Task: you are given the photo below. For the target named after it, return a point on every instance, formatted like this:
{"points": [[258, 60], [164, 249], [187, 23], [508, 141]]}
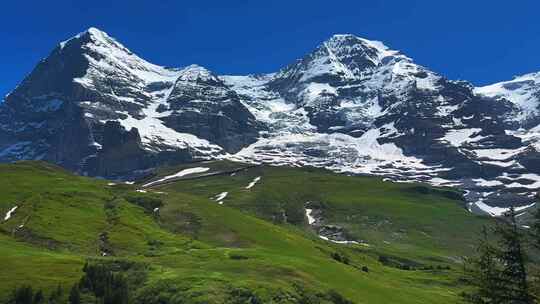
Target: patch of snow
{"points": [[501, 163], [10, 213], [220, 197], [179, 174], [310, 218], [445, 110], [153, 131], [252, 183], [336, 151], [497, 154], [314, 90], [457, 122], [96, 144], [485, 183], [438, 181], [458, 137], [535, 178], [337, 242], [498, 211]]}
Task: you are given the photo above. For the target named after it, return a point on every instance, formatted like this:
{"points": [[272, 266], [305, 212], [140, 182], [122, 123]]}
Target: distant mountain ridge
{"points": [[352, 105]]}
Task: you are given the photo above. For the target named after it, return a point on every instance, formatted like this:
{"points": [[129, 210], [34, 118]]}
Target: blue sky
{"points": [[480, 41]]}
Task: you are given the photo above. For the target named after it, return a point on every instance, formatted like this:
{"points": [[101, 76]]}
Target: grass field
{"points": [[257, 244]]}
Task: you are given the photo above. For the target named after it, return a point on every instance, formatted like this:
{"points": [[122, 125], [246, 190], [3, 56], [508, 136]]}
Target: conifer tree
{"points": [[74, 295], [514, 289], [535, 229], [38, 297], [22, 295], [483, 273], [56, 295], [535, 232]]}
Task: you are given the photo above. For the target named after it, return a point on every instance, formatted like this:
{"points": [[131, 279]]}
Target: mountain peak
{"points": [[523, 91], [196, 72], [349, 43], [343, 37], [95, 31], [342, 56], [95, 36]]}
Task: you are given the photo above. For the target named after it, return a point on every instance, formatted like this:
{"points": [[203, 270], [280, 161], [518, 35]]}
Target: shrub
{"points": [[235, 256], [22, 295], [104, 284], [147, 202], [337, 298], [74, 295], [340, 258]]}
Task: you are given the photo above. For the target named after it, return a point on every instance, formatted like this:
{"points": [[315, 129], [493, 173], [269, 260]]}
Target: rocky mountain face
{"points": [[352, 105], [95, 107]]}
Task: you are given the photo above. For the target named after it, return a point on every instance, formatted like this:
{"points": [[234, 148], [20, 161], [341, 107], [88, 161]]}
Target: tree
{"points": [[515, 288], [535, 229], [483, 273], [106, 285], [38, 297], [337, 298], [22, 295], [74, 295], [56, 295]]}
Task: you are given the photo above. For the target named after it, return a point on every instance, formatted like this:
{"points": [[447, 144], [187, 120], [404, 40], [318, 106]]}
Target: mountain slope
{"points": [[352, 105], [92, 101], [523, 91], [178, 241]]}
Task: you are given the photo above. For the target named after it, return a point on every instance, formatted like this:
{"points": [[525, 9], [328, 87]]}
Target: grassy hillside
{"points": [[411, 220], [177, 244]]}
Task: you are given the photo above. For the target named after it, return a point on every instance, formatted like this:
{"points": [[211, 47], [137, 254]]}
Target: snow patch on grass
{"points": [[179, 174], [255, 181], [310, 218], [220, 197], [10, 213], [337, 242], [498, 211]]}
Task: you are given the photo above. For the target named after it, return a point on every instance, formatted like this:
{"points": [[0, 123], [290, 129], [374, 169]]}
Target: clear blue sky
{"points": [[480, 41]]}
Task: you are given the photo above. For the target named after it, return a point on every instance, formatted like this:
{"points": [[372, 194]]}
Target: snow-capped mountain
{"points": [[95, 107], [523, 92], [352, 105]]}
